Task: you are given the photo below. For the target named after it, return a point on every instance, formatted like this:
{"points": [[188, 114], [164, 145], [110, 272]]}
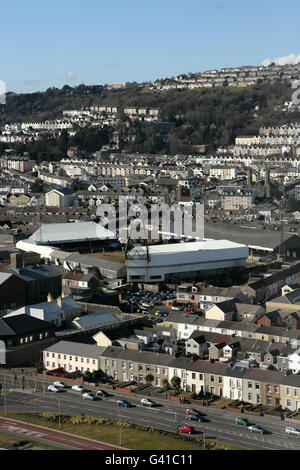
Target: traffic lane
{"points": [[148, 417]]}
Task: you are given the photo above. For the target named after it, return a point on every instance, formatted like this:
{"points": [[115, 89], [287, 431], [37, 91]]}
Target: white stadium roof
{"points": [[68, 232]]}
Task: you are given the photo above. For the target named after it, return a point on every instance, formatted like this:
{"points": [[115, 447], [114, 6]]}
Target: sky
{"points": [[46, 44]]}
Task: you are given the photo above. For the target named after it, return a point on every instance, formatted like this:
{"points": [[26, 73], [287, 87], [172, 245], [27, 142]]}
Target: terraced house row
{"points": [[252, 385]]}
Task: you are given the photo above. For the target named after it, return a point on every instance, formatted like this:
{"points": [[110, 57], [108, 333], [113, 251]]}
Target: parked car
{"points": [[192, 411], [78, 388], [186, 429], [199, 418], [89, 396], [255, 428], [294, 431], [102, 393], [61, 384], [124, 403], [242, 421], [147, 402], [54, 388]]}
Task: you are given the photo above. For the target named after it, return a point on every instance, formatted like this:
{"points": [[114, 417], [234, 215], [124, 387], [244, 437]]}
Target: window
{"points": [[165, 371], [70, 358], [200, 376], [30, 338], [295, 392], [88, 361], [257, 386], [53, 354], [140, 378], [148, 368], [288, 391], [249, 384], [130, 365], [158, 370], [65, 357], [269, 400], [288, 403], [212, 378], [220, 380], [113, 363], [269, 389], [193, 375], [249, 396], [140, 367], [41, 336], [123, 365], [157, 381], [276, 389], [76, 359], [175, 372]]}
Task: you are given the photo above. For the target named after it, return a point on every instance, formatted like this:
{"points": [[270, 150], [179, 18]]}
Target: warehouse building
{"points": [[172, 262]]}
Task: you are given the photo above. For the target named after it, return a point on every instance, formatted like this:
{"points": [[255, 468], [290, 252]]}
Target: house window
{"points": [[113, 363], [140, 378], [148, 368], [193, 375], [157, 381], [249, 384], [65, 357], [288, 403], [123, 365], [295, 392], [269, 388], [276, 389], [165, 371], [130, 365], [53, 354], [175, 372], [41, 336], [76, 359], [157, 370], [257, 386], [249, 396], [70, 358], [220, 380], [200, 376], [288, 391], [269, 400], [212, 378], [140, 367]]}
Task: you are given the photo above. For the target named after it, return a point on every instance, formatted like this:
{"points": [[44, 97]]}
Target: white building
{"points": [[174, 261]]}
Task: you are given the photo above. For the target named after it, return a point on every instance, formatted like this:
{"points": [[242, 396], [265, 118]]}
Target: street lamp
{"points": [[58, 413], [120, 430]]}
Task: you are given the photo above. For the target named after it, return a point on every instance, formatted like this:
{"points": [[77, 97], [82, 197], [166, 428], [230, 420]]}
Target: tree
{"points": [[149, 379], [176, 382], [87, 376], [165, 383]]}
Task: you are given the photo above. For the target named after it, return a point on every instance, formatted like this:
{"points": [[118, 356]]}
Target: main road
{"points": [[167, 416]]}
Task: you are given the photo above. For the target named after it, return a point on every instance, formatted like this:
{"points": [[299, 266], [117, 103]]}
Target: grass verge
{"points": [[134, 437]]}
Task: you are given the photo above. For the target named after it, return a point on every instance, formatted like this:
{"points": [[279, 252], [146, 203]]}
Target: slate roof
{"points": [[21, 324], [77, 349]]}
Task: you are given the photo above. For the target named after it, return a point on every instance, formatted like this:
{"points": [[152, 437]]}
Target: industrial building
{"points": [[171, 262]]}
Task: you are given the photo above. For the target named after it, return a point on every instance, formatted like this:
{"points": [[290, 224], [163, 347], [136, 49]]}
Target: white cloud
{"points": [[70, 74], [289, 59]]}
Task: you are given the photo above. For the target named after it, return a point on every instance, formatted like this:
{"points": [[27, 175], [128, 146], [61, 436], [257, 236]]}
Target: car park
{"points": [[186, 429], [89, 396], [78, 388], [293, 431], [124, 403], [54, 388], [242, 421], [147, 402], [255, 428]]}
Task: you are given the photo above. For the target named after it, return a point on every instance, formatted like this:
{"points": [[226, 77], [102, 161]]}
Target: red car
{"points": [[186, 429], [187, 309], [192, 411]]}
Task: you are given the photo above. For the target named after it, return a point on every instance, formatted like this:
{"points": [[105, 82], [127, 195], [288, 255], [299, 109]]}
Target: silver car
{"points": [[294, 431]]}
